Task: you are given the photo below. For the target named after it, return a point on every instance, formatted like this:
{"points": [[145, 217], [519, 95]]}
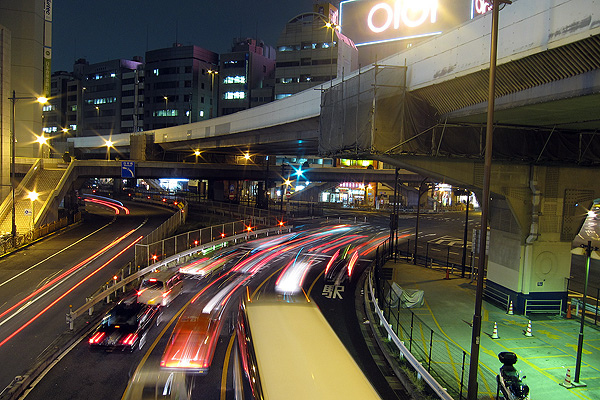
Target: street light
{"points": [[13, 100], [33, 196], [590, 252], [333, 27], [42, 140], [108, 145], [212, 94]]}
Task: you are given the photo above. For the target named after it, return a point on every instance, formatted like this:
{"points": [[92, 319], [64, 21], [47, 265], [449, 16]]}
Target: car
{"points": [[125, 326], [160, 288]]}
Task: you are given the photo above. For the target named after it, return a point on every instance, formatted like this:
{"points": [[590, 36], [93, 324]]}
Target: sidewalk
{"points": [[543, 358]]}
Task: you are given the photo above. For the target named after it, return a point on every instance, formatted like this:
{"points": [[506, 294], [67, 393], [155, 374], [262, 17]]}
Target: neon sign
{"points": [[480, 7], [410, 13]]}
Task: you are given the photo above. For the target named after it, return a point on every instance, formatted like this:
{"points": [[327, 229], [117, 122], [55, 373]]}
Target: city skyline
{"points": [[127, 29]]}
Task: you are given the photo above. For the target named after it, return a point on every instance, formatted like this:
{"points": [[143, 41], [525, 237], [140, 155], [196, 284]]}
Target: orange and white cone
{"points": [[567, 383], [510, 309], [528, 331], [495, 333]]}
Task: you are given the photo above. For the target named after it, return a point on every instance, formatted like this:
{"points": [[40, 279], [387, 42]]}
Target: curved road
{"points": [[39, 282]]}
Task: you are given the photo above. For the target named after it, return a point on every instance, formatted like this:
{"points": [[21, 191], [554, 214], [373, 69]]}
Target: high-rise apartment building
{"points": [[178, 86], [246, 76], [311, 50]]}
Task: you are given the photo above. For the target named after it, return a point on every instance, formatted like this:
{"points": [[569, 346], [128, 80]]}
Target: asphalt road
{"points": [[38, 283]]}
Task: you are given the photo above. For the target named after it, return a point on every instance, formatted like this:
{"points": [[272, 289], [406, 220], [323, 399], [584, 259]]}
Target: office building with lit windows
{"points": [[105, 98], [246, 76], [178, 86], [311, 50]]}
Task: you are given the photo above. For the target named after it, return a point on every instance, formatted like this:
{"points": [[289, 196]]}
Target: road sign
{"points": [[127, 169]]}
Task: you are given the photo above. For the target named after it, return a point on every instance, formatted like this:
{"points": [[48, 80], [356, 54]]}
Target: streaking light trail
{"points": [[69, 291]]}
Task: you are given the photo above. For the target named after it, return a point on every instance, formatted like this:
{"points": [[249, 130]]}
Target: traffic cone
{"points": [[528, 331], [569, 310], [510, 309], [567, 383], [495, 333], [447, 274]]}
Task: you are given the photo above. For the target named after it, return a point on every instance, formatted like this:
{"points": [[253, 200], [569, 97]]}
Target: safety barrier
{"points": [[543, 306], [494, 295], [174, 261]]}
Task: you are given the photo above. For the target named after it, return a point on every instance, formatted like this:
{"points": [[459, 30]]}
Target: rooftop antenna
{"points": [[176, 30]]}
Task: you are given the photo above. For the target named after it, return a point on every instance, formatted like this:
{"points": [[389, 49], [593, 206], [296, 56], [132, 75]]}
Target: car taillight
{"points": [[129, 339], [97, 338]]}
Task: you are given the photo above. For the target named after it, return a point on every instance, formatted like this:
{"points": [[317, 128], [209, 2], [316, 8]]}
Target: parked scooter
{"points": [[509, 382]]}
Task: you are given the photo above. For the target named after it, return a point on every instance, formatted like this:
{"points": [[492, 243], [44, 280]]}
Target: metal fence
{"points": [[575, 303], [149, 251], [447, 362], [7, 244]]}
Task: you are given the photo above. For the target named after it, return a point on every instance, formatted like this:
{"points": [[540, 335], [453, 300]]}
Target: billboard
{"points": [[379, 21]]}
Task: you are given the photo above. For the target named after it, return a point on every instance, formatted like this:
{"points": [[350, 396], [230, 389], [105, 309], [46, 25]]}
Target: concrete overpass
{"points": [[423, 109]]}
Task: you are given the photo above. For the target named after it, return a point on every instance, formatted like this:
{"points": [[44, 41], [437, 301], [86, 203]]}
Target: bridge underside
{"points": [[545, 151]]}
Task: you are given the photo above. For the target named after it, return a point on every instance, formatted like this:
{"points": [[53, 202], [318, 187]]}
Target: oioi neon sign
{"points": [[410, 13], [480, 7]]}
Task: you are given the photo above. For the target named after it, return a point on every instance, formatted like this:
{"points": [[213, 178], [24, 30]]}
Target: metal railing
{"points": [[443, 359], [130, 274], [7, 244], [543, 306]]}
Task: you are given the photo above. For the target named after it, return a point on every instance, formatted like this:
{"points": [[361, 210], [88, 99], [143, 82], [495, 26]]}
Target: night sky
{"points": [[110, 29]]}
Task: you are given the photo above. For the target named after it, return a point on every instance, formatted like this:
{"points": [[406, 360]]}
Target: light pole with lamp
{"points": [[13, 100], [108, 144], [41, 140], [333, 27], [212, 73], [590, 252], [33, 196]]}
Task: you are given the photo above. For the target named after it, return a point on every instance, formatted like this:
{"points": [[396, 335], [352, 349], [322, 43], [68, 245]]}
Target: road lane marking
{"points": [[225, 368], [55, 254]]}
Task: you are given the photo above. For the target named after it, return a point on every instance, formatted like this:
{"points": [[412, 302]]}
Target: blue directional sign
{"points": [[127, 169]]}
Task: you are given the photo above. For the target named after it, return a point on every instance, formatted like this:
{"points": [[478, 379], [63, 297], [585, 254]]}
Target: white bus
{"points": [[289, 351]]}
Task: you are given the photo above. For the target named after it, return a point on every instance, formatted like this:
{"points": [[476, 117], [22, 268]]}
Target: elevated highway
{"points": [[423, 109]]}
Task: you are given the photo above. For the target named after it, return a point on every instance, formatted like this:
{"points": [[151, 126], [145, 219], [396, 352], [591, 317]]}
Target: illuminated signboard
{"points": [[379, 21], [480, 7]]}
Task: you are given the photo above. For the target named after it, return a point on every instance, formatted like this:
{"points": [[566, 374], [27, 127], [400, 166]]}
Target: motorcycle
{"points": [[509, 382]]}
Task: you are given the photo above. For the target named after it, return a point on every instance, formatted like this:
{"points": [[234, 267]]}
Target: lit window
{"points": [[73, 127], [201, 113], [234, 79], [74, 108], [155, 71], [234, 95], [166, 113], [282, 96], [112, 75], [49, 107], [102, 100]]}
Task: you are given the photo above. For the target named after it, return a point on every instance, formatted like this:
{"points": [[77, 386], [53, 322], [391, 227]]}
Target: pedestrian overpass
{"points": [[424, 109]]}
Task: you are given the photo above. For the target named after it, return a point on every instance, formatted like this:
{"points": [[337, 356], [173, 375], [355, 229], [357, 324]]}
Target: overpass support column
{"points": [[532, 227]]}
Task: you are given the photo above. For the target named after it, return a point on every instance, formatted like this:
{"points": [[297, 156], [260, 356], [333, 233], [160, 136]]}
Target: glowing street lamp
{"points": [[590, 252], [333, 27], [13, 100], [212, 84], [108, 144]]}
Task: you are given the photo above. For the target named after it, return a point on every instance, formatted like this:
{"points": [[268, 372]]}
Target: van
{"points": [[160, 288]]}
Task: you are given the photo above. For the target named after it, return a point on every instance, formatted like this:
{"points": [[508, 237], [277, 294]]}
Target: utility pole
{"points": [[475, 338]]}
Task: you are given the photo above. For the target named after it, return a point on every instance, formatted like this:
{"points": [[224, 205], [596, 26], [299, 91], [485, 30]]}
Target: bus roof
{"points": [[299, 356]]}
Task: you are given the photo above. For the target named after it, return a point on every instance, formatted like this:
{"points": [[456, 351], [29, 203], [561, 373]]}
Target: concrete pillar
{"points": [[532, 227]]}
